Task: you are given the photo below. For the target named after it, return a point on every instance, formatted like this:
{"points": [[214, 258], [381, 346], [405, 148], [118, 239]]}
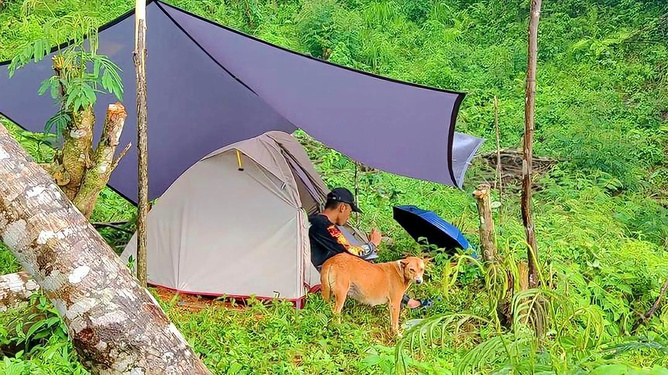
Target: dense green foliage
{"points": [[601, 217]]}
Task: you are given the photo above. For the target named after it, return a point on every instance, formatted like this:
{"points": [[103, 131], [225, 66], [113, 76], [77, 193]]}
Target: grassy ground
{"points": [[600, 213]]}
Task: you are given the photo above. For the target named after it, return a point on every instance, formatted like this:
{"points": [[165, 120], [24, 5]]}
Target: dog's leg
{"points": [[395, 311], [339, 300], [325, 285], [340, 293]]}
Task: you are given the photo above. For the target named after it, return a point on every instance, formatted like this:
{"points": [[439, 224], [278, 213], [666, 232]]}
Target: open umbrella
{"points": [[422, 223]]}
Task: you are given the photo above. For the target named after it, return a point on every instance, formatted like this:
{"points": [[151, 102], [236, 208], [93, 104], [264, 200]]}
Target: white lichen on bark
{"points": [[16, 289], [15, 233], [78, 274]]}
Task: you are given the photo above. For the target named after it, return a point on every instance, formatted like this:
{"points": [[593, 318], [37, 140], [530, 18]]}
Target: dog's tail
{"points": [[326, 282]]}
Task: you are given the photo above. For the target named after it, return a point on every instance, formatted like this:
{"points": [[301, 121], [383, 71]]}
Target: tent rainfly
{"points": [[210, 86], [235, 223]]}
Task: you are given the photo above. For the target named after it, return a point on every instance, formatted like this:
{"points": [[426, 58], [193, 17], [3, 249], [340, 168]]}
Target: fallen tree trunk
{"points": [[116, 326], [16, 288]]}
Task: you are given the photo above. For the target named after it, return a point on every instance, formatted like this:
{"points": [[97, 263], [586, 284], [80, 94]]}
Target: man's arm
{"points": [[337, 242]]}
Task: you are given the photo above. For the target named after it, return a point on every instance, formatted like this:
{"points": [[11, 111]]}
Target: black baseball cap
{"points": [[343, 195]]}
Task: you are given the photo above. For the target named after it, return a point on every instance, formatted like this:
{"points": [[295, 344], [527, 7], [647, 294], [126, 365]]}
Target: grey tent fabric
{"points": [[221, 231], [210, 86]]}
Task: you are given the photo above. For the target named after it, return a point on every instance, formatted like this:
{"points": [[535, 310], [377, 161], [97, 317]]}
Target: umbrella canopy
{"points": [[422, 223]]}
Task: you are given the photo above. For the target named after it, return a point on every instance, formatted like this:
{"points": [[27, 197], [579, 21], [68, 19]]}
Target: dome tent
{"points": [[235, 223]]}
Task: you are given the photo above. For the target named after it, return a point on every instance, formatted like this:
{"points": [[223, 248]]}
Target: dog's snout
{"points": [[419, 281]]}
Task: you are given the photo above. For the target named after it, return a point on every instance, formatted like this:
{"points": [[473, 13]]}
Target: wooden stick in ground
{"points": [[529, 108], [486, 222], [657, 302], [142, 137], [498, 146], [498, 158], [115, 325]]}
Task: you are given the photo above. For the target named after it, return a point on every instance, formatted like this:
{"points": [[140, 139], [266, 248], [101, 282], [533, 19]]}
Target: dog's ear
{"points": [[403, 263]]}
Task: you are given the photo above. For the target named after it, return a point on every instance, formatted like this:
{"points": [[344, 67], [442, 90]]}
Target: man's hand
{"points": [[375, 237]]}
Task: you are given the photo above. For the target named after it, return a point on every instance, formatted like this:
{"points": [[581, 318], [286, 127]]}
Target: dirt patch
{"points": [[511, 167], [195, 303]]}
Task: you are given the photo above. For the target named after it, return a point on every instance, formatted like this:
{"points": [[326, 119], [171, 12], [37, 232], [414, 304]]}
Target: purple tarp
{"points": [[209, 86]]}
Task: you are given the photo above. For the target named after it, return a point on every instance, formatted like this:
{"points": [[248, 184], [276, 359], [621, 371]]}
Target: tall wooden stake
{"points": [[528, 142], [142, 137], [498, 156], [489, 253], [498, 145]]}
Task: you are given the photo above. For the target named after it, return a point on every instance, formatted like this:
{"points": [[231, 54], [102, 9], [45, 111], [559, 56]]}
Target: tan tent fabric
{"points": [[220, 231]]}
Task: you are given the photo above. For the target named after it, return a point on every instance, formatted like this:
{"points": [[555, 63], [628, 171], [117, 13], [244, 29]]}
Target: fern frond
{"points": [[428, 331]]}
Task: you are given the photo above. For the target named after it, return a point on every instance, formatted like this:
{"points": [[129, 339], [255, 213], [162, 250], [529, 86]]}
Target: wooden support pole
{"points": [[481, 195], [142, 137], [498, 146], [499, 180], [527, 161]]}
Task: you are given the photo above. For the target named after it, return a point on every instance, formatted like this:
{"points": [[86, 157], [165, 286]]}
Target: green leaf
{"points": [[41, 49], [96, 68], [78, 103], [71, 96], [611, 370], [234, 368], [89, 94], [46, 84], [55, 89], [59, 120], [34, 328]]}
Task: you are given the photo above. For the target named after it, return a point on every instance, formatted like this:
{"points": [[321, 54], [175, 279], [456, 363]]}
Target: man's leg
{"points": [[411, 303]]}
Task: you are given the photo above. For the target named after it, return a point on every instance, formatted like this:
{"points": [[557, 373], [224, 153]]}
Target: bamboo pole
{"points": [[529, 108], [142, 137]]}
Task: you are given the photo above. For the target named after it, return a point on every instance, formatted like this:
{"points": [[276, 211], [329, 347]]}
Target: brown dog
{"points": [[373, 284]]}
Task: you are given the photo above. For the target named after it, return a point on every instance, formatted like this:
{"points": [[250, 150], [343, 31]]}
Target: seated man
{"points": [[327, 240]]}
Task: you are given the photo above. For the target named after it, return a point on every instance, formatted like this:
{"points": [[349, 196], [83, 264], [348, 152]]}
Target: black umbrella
{"points": [[422, 223]]}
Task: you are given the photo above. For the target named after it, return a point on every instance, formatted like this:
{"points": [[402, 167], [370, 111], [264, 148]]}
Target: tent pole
{"points": [[139, 57], [357, 191]]}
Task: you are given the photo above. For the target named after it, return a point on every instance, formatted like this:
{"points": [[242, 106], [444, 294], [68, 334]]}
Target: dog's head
{"points": [[413, 269]]}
